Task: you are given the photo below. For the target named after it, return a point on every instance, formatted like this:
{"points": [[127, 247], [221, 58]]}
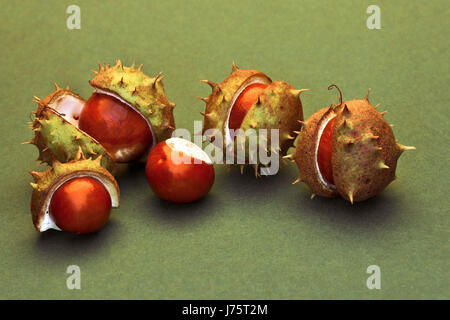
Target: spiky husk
{"points": [[364, 151], [57, 136], [47, 182], [144, 93], [278, 107]]}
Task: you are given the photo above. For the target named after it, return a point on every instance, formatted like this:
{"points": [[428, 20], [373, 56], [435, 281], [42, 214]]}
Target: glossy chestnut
{"points": [[80, 205], [124, 133], [243, 104], [324, 152], [179, 171]]}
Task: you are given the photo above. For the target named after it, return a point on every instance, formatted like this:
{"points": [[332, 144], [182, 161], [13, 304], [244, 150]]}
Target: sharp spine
{"points": [[405, 148], [210, 83], [234, 67], [296, 93], [350, 196], [382, 165]]}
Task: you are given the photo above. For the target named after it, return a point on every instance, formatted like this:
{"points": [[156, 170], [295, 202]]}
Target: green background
{"points": [[249, 238]]}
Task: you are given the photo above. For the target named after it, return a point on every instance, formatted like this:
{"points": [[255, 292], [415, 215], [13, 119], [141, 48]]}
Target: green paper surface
{"points": [[249, 238]]}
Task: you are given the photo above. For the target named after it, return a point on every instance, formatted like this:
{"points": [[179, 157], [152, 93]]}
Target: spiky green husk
{"points": [[47, 182], [58, 139], [364, 151], [218, 103], [278, 107], [144, 93]]}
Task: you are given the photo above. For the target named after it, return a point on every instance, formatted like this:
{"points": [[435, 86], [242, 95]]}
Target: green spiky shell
{"points": [[58, 139], [278, 107], [364, 151], [144, 93], [45, 183]]}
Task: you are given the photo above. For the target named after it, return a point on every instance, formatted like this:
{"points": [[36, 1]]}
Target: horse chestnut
{"points": [[122, 131], [75, 196], [347, 149], [179, 171], [249, 101], [324, 152], [80, 205], [243, 103]]}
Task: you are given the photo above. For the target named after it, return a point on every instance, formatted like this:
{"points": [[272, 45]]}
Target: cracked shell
{"points": [[144, 94], [364, 151], [56, 132], [277, 107]]}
